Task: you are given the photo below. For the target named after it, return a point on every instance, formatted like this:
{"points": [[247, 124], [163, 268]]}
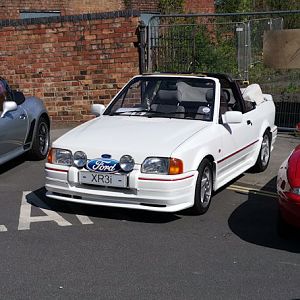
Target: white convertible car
{"points": [[164, 143]]}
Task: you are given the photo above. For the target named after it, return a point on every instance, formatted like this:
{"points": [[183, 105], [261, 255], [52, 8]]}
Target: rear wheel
{"points": [[204, 188], [264, 154], [41, 141]]}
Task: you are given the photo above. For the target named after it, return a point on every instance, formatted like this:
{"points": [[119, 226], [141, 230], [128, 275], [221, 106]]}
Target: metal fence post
{"points": [[142, 46]]}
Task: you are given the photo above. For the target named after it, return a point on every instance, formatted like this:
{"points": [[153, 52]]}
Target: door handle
{"points": [[22, 116], [249, 122]]}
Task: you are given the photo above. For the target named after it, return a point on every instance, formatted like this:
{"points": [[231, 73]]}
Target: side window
{"points": [[249, 106], [225, 99], [229, 101]]}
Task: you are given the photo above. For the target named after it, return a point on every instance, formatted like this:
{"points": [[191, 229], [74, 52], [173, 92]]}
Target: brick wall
{"points": [[73, 7], [199, 6], [71, 63], [190, 6], [145, 6], [11, 9]]}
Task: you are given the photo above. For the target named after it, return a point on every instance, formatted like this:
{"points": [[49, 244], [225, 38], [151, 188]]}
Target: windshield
{"points": [[170, 97]]}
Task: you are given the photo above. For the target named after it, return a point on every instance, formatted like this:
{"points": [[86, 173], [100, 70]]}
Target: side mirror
{"points": [[8, 106], [97, 109], [232, 117]]}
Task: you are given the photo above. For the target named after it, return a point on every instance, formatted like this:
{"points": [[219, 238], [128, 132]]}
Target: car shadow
{"points": [[255, 221], [38, 198], [12, 163]]}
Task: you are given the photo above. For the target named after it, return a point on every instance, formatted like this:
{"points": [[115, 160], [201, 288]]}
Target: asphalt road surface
{"points": [[55, 250]]}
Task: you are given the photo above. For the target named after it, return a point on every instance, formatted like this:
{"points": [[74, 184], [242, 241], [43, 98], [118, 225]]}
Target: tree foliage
{"points": [[171, 6], [232, 6]]}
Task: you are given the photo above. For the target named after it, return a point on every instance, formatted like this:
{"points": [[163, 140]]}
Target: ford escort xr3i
{"points": [[164, 143]]}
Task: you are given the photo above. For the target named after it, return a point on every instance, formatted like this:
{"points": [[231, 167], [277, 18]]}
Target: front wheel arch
{"points": [[46, 117], [214, 168], [35, 152], [260, 164], [203, 187]]}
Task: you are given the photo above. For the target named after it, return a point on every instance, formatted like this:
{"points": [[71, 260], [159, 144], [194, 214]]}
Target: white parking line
{"points": [[26, 219], [246, 190], [85, 220], [3, 228]]}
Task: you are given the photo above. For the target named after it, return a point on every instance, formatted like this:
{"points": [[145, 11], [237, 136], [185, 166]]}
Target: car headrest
{"points": [[210, 96], [167, 97], [188, 93]]}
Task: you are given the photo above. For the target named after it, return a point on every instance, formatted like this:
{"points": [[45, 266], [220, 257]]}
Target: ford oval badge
{"points": [[104, 165]]}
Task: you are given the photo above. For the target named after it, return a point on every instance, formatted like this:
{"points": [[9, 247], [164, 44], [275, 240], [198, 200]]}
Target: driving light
{"points": [[60, 157], [79, 159], [126, 163]]}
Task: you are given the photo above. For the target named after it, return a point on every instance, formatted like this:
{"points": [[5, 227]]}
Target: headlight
{"points": [[79, 159], [126, 163], [162, 165], [155, 165], [60, 157]]}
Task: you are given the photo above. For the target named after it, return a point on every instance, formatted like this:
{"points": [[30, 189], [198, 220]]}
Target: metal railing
{"points": [[225, 43]]}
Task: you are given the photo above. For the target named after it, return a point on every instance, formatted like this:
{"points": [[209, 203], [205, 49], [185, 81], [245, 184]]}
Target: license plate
{"points": [[114, 180]]}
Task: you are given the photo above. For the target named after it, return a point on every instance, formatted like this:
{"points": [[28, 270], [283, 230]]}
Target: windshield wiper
{"points": [[160, 114], [175, 115], [154, 114]]}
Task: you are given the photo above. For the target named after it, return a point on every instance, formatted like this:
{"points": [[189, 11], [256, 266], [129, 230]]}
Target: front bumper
{"points": [[165, 193]]}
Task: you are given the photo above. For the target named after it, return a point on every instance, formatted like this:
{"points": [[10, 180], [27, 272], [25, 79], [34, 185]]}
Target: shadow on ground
{"points": [[12, 164], [255, 221], [39, 199]]}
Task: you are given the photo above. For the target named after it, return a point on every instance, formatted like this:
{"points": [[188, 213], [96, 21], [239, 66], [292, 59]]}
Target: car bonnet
{"points": [[139, 137]]}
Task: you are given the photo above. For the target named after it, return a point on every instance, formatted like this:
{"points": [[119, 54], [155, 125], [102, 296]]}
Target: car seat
{"points": [[205, 112], [166, 101]]}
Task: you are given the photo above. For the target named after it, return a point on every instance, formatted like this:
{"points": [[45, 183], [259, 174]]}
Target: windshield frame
{"points": [[162, 77]]}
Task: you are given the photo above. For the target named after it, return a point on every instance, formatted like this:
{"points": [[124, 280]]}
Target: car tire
{"points": [[204, 188], [264, 155], [41, 141]]}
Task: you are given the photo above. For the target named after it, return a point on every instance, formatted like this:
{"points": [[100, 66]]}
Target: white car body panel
{"points": [[232, 149], [129, 135]]}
